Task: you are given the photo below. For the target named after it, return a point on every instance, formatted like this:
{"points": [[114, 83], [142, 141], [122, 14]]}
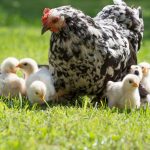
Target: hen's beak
{"points": [[44, 29], [135, 84]]}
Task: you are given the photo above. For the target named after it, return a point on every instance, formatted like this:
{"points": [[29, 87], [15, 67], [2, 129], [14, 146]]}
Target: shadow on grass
{"points": [[83, 102], [77, 101]]}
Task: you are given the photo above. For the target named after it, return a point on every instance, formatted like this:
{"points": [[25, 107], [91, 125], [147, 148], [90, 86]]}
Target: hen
{"points": [[85, 53], [10, 84]]}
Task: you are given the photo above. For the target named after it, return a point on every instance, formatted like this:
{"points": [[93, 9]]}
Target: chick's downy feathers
{"points": [[40, 86], [124, 94], [135, 69], [39, 82], [9, 65], [146, 75], [28, 65], [10, 83]]}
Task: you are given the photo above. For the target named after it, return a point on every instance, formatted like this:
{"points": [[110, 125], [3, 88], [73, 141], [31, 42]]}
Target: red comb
{"points": [[46, 10], [45, 15]]}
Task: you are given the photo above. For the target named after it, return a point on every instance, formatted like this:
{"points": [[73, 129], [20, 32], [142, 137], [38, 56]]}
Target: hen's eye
{"points": [[55, 20], [25, 64], [130, 81]]}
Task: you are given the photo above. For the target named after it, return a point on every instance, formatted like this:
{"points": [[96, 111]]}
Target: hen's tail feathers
{"points": [[119, 2], [140, 12], [138, 26]]}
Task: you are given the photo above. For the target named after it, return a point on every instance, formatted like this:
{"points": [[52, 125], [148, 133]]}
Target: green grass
{"points": [[24, 42], [62, 126]]}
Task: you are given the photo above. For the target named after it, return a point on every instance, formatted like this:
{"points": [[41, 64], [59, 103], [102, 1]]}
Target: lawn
{"points": [[79, 126]]}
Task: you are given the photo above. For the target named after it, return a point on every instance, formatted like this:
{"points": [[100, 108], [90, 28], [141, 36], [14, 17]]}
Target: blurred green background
{"points": [[20, 22], [18, 12], [28, 12]]}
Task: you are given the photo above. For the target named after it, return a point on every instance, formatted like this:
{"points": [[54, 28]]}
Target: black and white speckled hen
{"points": [[87, 52]]}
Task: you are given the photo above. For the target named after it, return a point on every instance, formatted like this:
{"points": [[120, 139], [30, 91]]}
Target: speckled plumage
{"points": [[88, 52]]}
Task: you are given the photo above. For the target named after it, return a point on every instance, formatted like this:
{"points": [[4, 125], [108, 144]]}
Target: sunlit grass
{"points": [[24, 42], [144, 53], [63, 127]]}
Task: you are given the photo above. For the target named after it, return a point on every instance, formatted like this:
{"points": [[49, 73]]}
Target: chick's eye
{"points": [[25, 64], [130, 81], [36, 93]]}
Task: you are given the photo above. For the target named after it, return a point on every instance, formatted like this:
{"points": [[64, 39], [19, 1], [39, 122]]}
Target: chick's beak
{"points": [[42, 97], [18, 66], [44, 29], [134, 84], [144, 70]]}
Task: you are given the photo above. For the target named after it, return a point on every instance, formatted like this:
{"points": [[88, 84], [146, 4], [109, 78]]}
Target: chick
{"points": [[37, 92], [10, 83], [125, 93], [135, 69], [28, 65], [9, 65], [145, 96], [39, 83], [40, 86], [146, 75]]}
